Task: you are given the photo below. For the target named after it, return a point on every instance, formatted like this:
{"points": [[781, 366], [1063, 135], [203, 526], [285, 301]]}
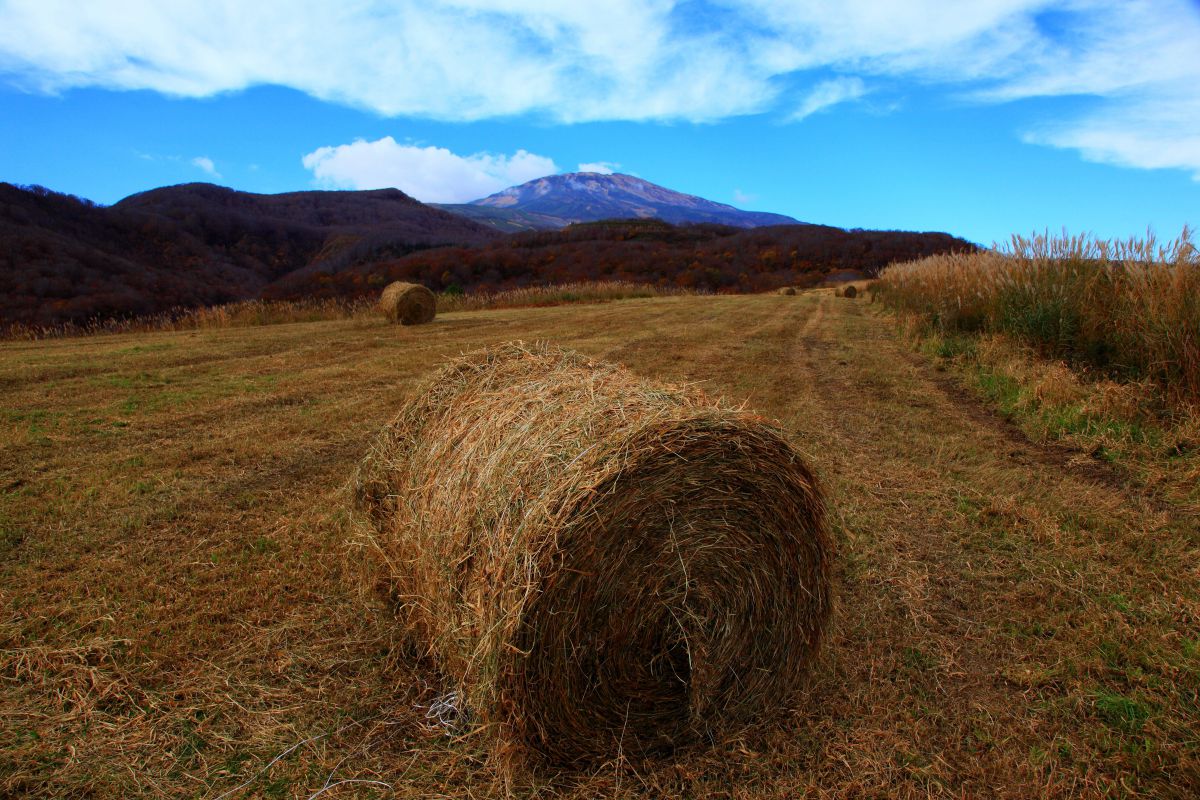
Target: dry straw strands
{"points": [[599, 564], [408, 303]]}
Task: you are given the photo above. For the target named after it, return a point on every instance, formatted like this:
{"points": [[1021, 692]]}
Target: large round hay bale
{"points": [[850, 291], [789, 290], [598, 563], [408, 303]]}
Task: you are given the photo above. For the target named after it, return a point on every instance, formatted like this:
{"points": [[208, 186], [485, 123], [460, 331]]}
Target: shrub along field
{"points": [[182, 613]]}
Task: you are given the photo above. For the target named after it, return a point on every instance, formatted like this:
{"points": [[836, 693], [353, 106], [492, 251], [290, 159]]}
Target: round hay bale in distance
{"points": [[789, 290], [597, 563], [850, 291], [408, 303]]}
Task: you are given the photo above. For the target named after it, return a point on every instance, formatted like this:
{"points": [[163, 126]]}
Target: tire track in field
{"points": [[910, 626], [953, 538]]}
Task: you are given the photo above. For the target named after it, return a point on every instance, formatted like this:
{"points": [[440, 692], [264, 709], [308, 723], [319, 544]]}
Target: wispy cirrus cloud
{"points": [[828, 94], [602, 167], [658, 60]]}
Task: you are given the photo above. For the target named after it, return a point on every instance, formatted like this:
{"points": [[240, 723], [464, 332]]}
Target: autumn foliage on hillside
{"points": [[703, 257], [67, 260]]}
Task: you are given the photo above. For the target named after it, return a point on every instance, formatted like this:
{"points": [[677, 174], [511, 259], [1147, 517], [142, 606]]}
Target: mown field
{"points": [[181, 616]]}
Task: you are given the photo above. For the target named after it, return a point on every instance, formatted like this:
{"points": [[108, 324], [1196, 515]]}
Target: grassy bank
{"points": [[1128, 309], [1123, 424]]}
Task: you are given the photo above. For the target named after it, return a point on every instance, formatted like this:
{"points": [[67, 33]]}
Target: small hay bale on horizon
{"points": [[850, 292], [789, 290], [408, 303], [599, 564]]}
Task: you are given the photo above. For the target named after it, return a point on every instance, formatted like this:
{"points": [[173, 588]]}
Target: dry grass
{"points": [[179, 617], [252, 313], [601, 564], [1124, 423], [1128, 307], [561, 294]]}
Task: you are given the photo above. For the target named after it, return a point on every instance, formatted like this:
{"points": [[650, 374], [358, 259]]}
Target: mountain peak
{"points": [[591, 196]]}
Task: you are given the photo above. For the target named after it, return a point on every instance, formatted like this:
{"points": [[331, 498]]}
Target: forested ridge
{"points": [[715, 258], [64, 259]]}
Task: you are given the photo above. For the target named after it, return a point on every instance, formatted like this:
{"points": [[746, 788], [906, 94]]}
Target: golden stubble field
{"points": [[180, 614]]}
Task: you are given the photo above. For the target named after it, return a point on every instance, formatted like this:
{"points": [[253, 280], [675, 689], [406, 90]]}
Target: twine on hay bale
{"points": [[786, 290], [599, 564], [408, 303], [850, 291]]}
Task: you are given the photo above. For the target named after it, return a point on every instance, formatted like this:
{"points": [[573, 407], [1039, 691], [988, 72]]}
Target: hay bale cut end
{"points": [[786, 290], [408, 303], [599, 564], [850, 291]]}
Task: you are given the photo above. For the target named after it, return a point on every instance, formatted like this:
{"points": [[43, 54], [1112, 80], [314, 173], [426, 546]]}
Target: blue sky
{"points": [[982, 119]]}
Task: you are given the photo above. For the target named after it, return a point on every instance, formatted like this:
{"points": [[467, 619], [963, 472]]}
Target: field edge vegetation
{"points": [[1127, 309], [251, 313], [1091, 343]]}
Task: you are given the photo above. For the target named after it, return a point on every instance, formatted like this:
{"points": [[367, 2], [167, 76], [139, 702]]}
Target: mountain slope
{"points": [[505, 220], [63, 259], [559, 200]]}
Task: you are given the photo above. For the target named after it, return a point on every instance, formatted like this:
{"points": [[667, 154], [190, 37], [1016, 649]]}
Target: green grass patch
{"points": [[1002, 390], [1121, 713]]}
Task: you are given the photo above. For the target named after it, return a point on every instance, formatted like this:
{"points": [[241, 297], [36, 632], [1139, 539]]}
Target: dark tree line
{"points": [[715, 258], [65, 259]]}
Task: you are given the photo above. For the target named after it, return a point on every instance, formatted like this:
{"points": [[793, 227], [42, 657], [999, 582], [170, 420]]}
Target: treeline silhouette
{"points": [[706, 257]]}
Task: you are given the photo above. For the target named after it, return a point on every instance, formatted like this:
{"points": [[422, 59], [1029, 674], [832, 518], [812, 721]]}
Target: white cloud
{"points": [[206, 164], [667, 60], [430, 174], [743, 198], [443, 59], [602, 167], [828, 94], [1132, 132]]}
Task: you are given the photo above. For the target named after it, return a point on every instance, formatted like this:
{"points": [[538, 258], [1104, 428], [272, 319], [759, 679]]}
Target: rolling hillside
{"points": [[63, 259]]}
